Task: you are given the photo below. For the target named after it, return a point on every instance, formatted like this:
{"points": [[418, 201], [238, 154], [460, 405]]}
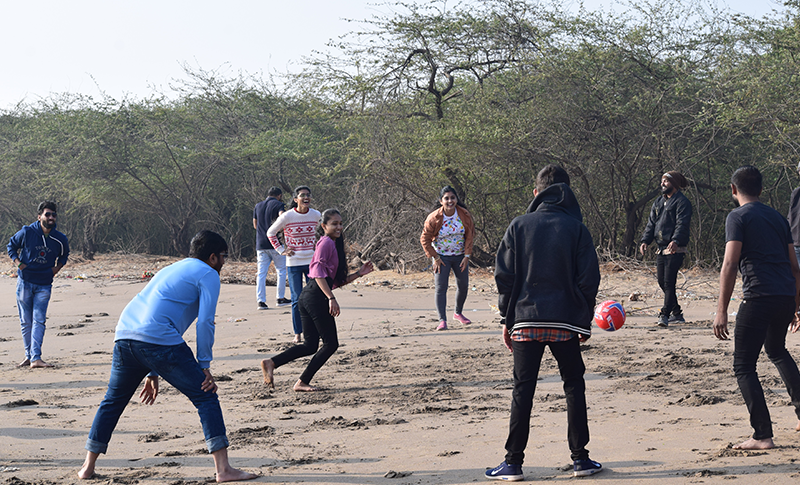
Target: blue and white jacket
{"points": [[40, 253]]}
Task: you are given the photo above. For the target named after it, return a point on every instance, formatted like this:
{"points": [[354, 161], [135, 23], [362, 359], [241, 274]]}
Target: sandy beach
{"points": [[401, 403]]}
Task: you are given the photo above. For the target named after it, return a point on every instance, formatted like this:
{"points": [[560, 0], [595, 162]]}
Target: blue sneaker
{"points": [[504, 471], [584, 468]]}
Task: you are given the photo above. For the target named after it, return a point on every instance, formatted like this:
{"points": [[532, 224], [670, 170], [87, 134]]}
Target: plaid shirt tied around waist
{"points": [[529, 334]]}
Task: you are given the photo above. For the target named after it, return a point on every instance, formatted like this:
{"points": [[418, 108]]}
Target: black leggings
{"points": [[317, 323]]}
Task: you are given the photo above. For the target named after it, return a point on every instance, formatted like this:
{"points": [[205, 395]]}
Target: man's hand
{"points": [[150, 390], [507, 339], [583, 338], [721, 326], [464, 263], [795, 325], [643, 248], [208, 384], [672, 247]]}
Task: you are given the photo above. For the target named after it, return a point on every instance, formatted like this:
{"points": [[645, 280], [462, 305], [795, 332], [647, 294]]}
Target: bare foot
{"points": [[234, 475], [297, 339], [24, 363], [86, 471], [40, 364], [754, 444], [301, 386], [267, 368], [797, 428]]}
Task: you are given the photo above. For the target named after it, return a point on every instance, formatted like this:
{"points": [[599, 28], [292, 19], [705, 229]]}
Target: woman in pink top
{"points": [[318, 306]]}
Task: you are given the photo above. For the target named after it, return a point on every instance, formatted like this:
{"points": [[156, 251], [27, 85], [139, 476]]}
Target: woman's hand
{"points": [[366, 269], [333, 307], [288, 252], [437, 265]]}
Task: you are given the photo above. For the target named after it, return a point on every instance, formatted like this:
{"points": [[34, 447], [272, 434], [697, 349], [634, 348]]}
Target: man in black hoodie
{"points": [[547, 276], [668, 227]]}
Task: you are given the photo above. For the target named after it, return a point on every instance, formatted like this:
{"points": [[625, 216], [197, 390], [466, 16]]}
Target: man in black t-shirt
{"points": [[264, 215], [759, 243]]}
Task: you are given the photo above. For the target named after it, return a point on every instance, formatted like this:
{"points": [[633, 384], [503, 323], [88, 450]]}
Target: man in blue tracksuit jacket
{"points": [[39, 251]]}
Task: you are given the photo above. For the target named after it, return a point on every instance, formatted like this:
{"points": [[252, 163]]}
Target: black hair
{"points": [[341, 272], [48, 204], [274, 192], [205, 243], [296, 193], [450, 189], [747, 180], [549, 175]]}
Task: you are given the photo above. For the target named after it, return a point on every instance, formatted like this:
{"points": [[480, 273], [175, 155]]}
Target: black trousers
{"points": [[667, 266], [763, 322], [317, 324], [527, 359]]}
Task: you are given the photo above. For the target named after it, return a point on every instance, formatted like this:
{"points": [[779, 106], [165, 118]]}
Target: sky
{"points": [[133, 49]]}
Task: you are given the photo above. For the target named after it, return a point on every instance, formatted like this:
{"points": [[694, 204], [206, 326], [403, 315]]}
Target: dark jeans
{"points": [[132, 361], [527, 359], [441, 282], [317, 323], [763, 322], [296, 274], [667, 266]]}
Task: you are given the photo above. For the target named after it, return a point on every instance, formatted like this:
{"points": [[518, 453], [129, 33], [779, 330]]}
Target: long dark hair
{"points": [[447, 189], [341, 273]]}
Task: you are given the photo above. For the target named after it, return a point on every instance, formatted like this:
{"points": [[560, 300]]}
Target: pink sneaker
{"points": [[461, 318], [442, 325]]}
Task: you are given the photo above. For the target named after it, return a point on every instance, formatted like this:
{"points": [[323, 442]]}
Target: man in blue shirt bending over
{"points": [[149, 343]]}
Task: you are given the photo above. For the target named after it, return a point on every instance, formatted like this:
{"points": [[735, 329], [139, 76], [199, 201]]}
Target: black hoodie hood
{"points": [[557, 197]]}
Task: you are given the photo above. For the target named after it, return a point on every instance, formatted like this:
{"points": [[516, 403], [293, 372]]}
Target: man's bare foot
{"points": [[301, 386], [87, 469], [267, 368], [24, 363], [234, 475], [40, 364], [297, 339], [754, 444]]}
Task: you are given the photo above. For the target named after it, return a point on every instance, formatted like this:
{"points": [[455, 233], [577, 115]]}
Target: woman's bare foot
{"points": [[301, 386], [24, 363], [754, 444], [297, 339], [797, 428], [234, 475], [268, 368], [40, 364]]}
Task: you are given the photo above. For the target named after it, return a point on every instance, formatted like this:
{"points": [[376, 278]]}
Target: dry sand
{"points": [[402, 403]]}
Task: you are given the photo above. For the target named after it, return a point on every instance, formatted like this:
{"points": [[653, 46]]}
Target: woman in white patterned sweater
{"points": [[298, 225]]}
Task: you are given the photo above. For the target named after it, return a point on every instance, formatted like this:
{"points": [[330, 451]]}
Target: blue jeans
{"points": [[266, 256], [132, 361], [441, 282], [296, 274], [32, 300]]}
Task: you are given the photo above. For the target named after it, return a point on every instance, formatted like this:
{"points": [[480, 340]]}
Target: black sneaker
{"points": [[262, 306], [284, 301], [504, 471], [584, 468], [663, 321], [676, 318]]}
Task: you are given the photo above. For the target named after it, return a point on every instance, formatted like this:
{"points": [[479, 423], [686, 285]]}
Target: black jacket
{"points": [[669, 221], [546, 270]]}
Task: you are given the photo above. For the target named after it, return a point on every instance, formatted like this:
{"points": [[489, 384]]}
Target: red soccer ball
{"points": [[609, 315]]}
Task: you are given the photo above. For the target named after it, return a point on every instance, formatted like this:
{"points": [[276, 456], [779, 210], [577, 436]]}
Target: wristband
{"points": [[331, 298], [20, 264]]}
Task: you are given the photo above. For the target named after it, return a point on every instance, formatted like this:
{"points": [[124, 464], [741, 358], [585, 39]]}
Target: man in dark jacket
{"points": [[668, 226], [264, 215], [794, 218], [547, 276], [39, 251]]}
